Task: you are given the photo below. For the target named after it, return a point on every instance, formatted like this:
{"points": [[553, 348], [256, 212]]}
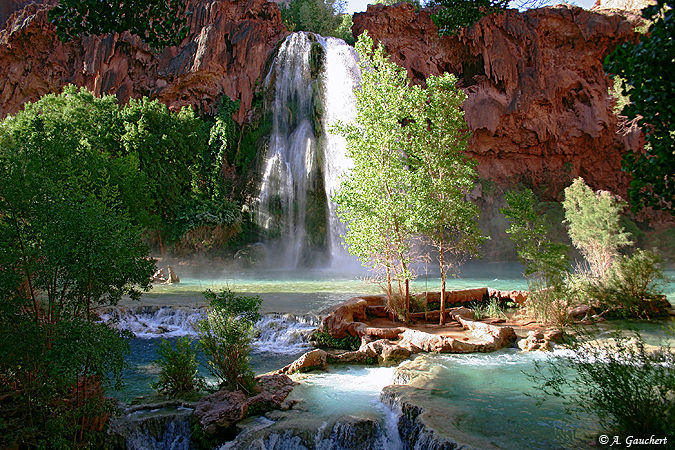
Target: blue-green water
{"points": [[482, 394]]}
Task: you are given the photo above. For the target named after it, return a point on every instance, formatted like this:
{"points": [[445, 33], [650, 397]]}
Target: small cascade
{"points": [[150, 321], [277, 333], [312, 81], [284, 333]]}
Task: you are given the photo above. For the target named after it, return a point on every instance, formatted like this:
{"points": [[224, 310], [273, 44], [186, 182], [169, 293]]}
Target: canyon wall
{"points": [[226, 51], [538, 102]]}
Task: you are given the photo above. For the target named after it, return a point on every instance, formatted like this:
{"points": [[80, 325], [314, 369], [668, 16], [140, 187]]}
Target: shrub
{"points": [[594, 225], [628, 386], [491, 309], [348, 342], [178, 374], [545, 261], [225, 335], [632, 288]]}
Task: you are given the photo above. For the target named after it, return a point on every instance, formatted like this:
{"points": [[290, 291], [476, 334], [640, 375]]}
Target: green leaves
{"points": [[457, 14], [594, 227], [226, 334], [646, 70], [159, 23], [178, 368], [410, 175], [318, 16]]}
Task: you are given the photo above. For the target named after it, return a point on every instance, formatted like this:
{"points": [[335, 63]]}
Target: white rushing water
{"points": [[277, 333], [312, 79]]}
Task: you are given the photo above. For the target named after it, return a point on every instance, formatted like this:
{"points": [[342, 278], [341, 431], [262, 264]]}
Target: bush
{"points": [[226, 334], [348, 342], [594, 225], [492, 309], [178, 374], [632, 288], [545, 261], [628, 386]]}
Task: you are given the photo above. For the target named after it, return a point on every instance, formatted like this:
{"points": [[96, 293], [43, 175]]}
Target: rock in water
{"points": [[220, 411]]}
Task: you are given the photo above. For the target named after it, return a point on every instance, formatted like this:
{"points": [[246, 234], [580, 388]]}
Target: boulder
{"points": [[316, 359], [173, 278], [541, 340], [342, 320], [579, 312], [223, 409]]}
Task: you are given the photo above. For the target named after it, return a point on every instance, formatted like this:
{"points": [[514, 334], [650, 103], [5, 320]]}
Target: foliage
{"points": [[645, 70], [491, 309], [70, 226], [594, 225], [178, 368], [207, 172], [318, 16], [632, 288], [374, 198], [166, 145], [344, 30], [348, 342], [198, 212], [226, 334], [545, 261], [51, 376], [436, 141], [628, 385], [159, 23], [457, 14]]}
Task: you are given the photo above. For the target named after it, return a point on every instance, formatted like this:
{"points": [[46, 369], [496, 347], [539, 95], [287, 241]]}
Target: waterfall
{"points": [[311, 80]]}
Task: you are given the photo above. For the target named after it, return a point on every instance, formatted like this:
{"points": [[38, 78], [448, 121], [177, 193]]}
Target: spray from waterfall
{"points": [[312, 81]]}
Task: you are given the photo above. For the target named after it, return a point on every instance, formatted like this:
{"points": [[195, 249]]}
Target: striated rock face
{"points": [[537, 102], [225, 53]]}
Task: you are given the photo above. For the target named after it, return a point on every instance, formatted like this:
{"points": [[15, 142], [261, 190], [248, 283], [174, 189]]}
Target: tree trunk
{"points": [[440, 260]]}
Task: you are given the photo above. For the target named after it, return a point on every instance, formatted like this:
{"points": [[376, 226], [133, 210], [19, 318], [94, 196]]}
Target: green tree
{"points": [[70, 228], [166, 145], [226, 334], [159, 23], [594, 225], [436, 141], [457, 14], [318, 16], [546, 263], [646, 70], [374, 198]]}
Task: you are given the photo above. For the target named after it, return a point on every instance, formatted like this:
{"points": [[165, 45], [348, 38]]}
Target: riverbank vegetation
{"points": [[410, 175]]}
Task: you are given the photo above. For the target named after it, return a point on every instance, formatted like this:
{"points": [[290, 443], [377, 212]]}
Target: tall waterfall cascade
{"points": [[311, 85]]}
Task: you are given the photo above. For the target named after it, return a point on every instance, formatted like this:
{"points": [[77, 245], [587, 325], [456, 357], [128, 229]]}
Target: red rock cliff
{"points": [[225, 53], [537, 95]]}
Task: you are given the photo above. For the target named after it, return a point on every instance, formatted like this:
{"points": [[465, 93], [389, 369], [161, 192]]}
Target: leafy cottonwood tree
{"points": [[437, 138], [167, 146], [593, 220], [159, 23], [374, 198], [646, 70], [70, 233]]}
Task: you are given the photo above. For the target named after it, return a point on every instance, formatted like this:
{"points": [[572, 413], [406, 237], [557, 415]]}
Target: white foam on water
{"points": [[284, 333], [277, 333]]}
